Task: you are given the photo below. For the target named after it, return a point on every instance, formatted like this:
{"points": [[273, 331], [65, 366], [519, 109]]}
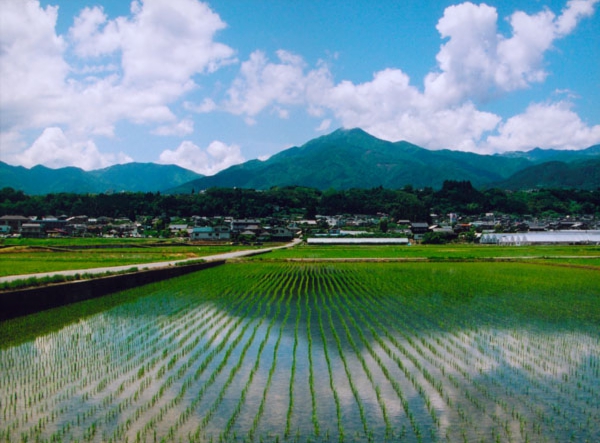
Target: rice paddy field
{"points": [[576, 254], [28, 256], [282, 351]]}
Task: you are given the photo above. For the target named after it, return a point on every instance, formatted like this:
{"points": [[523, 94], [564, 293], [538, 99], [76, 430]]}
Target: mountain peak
{"points": [[351, 133]]}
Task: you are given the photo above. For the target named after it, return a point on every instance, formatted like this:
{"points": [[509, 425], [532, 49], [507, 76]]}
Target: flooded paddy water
{"points": [[295, 352]]}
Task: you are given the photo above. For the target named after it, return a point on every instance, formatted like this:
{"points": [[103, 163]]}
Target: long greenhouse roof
{"points": [[543, 237], [356, 241]]}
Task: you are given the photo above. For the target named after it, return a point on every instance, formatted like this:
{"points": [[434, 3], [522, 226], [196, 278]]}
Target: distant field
{"points": [[24, 256], [583, 255], [27, 256]]}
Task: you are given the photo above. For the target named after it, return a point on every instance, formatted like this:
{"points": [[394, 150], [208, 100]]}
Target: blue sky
{"points": [[210, 84]]}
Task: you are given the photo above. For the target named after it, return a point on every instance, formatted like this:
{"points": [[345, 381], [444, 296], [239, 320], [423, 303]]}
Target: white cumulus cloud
{"points": [[475, 64], [262, 84], [56, 150], [216, 157], [104, 71], [181, 128], [32, 67], [478, 62], [547, 125]]}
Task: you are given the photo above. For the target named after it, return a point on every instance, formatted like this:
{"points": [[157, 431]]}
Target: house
{"points": [[14, 221], [32, 230], [202, 233], [238, 226], [53, 223], [221, 232], [176, 228], [78, 220], [281, 234], [418, 230]]}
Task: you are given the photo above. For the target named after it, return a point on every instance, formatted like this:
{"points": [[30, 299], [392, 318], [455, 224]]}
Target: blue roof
{"points": [[203, 229]]}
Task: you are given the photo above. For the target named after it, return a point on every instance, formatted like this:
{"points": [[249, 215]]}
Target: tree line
{"points": [[406, 203]]}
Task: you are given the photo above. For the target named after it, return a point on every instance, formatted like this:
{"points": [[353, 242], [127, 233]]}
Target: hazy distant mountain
{"points": [[354, 159], [538, 155], [579, 174], [144, 177]]}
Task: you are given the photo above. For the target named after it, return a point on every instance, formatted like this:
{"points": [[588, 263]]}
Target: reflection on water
{"points": [[309, 353]]}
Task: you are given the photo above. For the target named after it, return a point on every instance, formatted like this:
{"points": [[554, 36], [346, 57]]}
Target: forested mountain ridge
{"points": [[344, 159], [579, 174], [133, 177], [352, 158]]}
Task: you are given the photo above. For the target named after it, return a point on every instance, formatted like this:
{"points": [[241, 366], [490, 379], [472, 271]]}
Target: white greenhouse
{"points": [[356, 241], [543, 238]]}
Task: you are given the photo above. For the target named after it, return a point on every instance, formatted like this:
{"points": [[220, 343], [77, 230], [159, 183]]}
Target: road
{"points": [[143, 266]]}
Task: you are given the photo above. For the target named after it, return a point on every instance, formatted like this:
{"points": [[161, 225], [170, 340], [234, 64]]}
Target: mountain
{"points": [[346, 158], [143, 177], [579, 174], [538, 155], [354, 159]]}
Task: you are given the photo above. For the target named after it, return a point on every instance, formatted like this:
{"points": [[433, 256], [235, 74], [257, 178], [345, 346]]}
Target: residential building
{"points": [[32, 230], [14, 221], [217, 233]]}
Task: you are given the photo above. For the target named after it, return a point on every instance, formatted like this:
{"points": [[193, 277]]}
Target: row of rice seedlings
{"points": [[275, 294], [193, 351], [105, 382], [232, 374], [501, 421], [217, 322], [438, 361], [255, 422], [567, 405], [237, 410], [74, 377], [411, 366], [311, 374], [162, 408], [387, 373], [430, 377], [362, 294], [325, 295], [332, 386], [246, 311], [288, 419], [534, 379], [360, 297], [131, 388], [487, 384], [343, 312], [563, 409]]}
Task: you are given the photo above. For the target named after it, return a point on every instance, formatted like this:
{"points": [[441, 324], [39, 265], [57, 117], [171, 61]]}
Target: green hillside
{"points": [[581, 174], [354, 159], [144, 177], [344, 159]]}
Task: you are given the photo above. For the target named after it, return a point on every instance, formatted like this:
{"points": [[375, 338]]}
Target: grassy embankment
{"points": [[30, 256]]}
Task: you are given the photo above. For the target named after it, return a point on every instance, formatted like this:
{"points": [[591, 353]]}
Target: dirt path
{"points": [[144, 266]]}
